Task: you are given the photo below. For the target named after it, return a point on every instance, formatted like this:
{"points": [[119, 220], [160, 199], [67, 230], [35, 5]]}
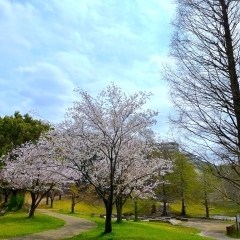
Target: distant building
{"points": [[173, 147], [170, 147], [193, 158]]}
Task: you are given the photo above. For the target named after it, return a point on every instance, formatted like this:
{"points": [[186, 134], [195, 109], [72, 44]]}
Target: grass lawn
{"points": [[95, 206], [17, 224], [195, 210], [128, 230], [83, 207]]}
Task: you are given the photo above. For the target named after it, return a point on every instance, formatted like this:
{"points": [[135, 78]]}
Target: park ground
{"points": [[209, 228]]}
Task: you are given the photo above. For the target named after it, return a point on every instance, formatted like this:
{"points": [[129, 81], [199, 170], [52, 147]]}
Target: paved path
{"points": [[72, 227], [210, 228]]}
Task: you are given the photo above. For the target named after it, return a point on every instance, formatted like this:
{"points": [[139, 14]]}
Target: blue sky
{"points": [[50, 47]]}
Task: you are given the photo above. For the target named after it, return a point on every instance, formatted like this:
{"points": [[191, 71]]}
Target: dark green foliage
{"points": [[14, 131], [16, 202], [18, 129]]}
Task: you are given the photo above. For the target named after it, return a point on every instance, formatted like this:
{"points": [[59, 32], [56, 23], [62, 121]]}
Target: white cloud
{"points": [[49, 47], [46, 86]]}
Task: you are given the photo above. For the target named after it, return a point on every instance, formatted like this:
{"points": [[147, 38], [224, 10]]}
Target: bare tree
{"points": [[204, 80]]}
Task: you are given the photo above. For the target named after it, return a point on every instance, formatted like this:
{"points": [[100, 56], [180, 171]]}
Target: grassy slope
{"points": [[195, 210], [95, 205], [17, 224]]}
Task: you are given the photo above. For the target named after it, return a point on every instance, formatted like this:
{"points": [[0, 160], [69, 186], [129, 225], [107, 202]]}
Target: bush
{"points": [[16, 202], [128, 213]]}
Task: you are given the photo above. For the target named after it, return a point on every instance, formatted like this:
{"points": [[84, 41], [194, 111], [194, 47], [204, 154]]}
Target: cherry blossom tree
{"points": [[142, 192], [140, 174], [108, 140], [34, 167]]}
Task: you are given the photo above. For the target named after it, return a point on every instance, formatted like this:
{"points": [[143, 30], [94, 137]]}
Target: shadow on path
{"points": [[73, 226]]}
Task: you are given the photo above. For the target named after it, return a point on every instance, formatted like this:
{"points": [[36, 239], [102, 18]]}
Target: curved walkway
{"points": [[73, 226], [213, 229], [210, 228]]}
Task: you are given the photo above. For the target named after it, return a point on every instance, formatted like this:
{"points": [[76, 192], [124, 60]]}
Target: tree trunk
{"points": [[73, 203], [164, 212], [109, 202], [207, 211], [119, 205], [5, 198], [72, 208], [108, 221], [47, 199], [33, 205], [6, 195], [206, 206], [51, 201], [135, 211], [36, 199], [183, 213], [31, 211], [232, 69]]}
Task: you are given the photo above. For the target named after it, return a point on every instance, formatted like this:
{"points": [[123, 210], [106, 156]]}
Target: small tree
{"points": [[183, 179], [35, 169], [53, 193], [162, 191], [14, 131], [142, 192], [207, 194], [79, 191]]}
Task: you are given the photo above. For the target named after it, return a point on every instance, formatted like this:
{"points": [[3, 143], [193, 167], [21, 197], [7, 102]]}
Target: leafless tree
{"points": [[204, 80]]}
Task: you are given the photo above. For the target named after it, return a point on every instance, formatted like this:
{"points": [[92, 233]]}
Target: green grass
{"points": [[128, 230], [194, 210], [83, 207], [17, 224], [96, 206]]}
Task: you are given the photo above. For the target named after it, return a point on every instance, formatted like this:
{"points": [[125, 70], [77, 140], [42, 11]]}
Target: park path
{"points": [[209, 228], [73, 226]]}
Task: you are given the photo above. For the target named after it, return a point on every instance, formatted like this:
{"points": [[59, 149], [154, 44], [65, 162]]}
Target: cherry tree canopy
{"points": [[108, 139], [34, 167]]}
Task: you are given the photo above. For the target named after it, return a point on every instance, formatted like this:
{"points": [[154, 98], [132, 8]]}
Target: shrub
{"points": [[16, 202]]}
